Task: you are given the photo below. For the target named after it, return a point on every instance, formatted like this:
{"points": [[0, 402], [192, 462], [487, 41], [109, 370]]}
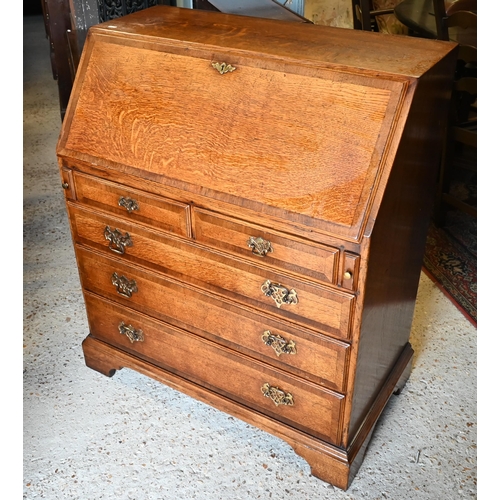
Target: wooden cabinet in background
{"points": [[249, 200]]}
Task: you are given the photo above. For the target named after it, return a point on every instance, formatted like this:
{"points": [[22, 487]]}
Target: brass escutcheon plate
{"points": [[279, 293], [259, 246], [117, 240], [134, 335], [223, 68], [278, 396], [278, 343], [124, 286], [128, 203]]}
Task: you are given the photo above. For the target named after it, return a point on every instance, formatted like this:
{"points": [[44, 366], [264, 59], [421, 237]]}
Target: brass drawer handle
{"points": [[279, 293], [278, 396], [279, 344], [124, 286], [132, 334], [223, 68], [259, 246], [128, 203], [117, 240]]}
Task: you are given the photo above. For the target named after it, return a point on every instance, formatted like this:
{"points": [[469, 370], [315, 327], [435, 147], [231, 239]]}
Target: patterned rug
{"points": [[451, 252]]}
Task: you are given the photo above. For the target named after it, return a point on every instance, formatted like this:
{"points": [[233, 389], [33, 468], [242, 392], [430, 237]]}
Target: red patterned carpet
{"points": [[451, 260]]}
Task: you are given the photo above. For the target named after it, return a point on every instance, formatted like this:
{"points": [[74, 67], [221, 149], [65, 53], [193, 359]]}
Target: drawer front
{"points": [[265, 247], [350, 271], [312, 356], [305, 303], [67, 183], [163, 213], [252, 383]]}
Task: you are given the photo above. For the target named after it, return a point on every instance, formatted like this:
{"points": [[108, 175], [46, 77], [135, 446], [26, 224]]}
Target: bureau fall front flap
{"points": [[297, 142]]}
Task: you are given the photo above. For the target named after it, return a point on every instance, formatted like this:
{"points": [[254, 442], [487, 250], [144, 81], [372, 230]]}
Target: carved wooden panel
{"points": [[111, 9]]}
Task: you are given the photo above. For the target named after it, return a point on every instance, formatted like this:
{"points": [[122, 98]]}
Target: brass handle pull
{"points": [[223, 68], [124, 286], [280, 294], [65, 185], [278, 396], [259, 246], [279, 344], [117, 240], [128, 203], [132, 334]]}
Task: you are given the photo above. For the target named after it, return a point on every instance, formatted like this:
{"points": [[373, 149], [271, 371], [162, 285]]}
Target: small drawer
{"points": [[350, 271], [67, 183], [318, 358], [265, 246], [273, 392], [162, 213], [309, 304]]}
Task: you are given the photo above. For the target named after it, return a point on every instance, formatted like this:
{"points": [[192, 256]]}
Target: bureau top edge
{"points": [[345, 48]]}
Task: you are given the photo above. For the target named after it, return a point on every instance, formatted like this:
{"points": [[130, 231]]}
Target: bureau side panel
{"points": [[397, 242]]}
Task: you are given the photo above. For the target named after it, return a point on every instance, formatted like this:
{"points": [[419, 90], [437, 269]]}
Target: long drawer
{"points": [[268, 390], [307, 354], [308, 304]]}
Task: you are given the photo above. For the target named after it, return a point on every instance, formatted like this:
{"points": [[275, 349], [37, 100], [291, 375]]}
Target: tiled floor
{"points": [[89, 437]]}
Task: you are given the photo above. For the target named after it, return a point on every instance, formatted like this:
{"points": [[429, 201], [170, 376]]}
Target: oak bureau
{"points": [[249, 200]]}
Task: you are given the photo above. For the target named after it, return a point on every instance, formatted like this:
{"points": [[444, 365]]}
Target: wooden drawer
{"points": [[265, 246], [350, 271], [316, 410], [317, 358], [167, 215], [316, 307]]}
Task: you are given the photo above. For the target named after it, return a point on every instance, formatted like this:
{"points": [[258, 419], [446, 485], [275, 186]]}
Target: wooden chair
{"points": [[458, 14], [460, 148]]}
